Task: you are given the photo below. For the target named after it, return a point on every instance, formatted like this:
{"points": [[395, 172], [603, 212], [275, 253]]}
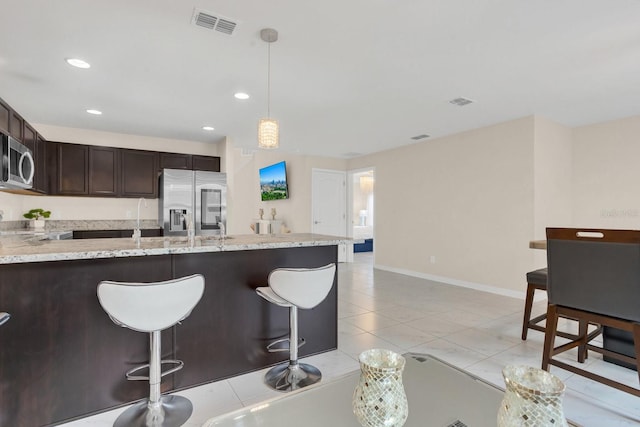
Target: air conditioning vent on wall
{"points": [[213, 22]]}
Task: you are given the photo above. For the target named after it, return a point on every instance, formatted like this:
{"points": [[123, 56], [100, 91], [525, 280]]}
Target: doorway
{"points": [[362, 212]]}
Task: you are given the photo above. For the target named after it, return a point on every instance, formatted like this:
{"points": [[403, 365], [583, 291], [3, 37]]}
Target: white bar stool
{"points": [[295, 288], [153, 307]]}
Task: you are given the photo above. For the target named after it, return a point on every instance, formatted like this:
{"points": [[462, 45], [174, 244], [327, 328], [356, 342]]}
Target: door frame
{"points": [[350, 184]]}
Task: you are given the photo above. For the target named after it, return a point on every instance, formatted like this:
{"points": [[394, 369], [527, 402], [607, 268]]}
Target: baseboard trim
{"points": [[457, 282]]}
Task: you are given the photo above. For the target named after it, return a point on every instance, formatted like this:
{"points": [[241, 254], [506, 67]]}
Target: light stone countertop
{"points": [[32, 249]]}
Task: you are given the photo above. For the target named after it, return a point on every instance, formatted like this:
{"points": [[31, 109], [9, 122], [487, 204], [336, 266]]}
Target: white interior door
{"points": [[329, 205]]}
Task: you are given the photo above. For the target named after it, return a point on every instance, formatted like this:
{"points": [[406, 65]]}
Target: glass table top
{"points": [[439, 395]]}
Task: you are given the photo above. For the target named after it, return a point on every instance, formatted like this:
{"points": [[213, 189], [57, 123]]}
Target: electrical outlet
{"points": [[432, 259]]}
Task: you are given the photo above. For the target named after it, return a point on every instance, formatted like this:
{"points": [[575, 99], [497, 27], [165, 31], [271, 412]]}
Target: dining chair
{"points": [[593, 276]]}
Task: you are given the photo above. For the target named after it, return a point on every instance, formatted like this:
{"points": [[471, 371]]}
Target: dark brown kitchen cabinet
{"points": [[205, 163], [103, 171], [29, 138], [139, 173], [175, 161], [5, 113], [40, 179], [16, 126], [71, 169]]}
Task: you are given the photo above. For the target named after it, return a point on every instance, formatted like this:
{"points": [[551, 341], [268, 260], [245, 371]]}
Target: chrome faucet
{"points": [[191, 232], [137, 234]]}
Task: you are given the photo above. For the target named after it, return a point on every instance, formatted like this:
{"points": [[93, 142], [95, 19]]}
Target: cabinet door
{"points": [[103, 171], [175, 161], [29, 138], [16, 124], [72, 169], [139, 173], [5, 113], [41, 178], [206, 163]]}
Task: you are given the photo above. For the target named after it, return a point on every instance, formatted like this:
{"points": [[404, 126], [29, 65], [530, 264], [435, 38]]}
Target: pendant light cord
{"points": [[269, 80]]}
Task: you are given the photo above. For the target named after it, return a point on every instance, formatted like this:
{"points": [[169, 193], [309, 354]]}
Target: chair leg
{"points": [[157, 410], [583, 327], [549, 335], [636, 344], [293, 375], [293, 336], [528, 303]]}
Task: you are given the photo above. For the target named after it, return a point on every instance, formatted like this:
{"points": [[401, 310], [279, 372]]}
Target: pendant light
{"points": [[268, 129]]}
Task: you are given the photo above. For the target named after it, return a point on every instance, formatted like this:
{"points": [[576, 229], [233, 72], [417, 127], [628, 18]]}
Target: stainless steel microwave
{"points": [[17, 164]]}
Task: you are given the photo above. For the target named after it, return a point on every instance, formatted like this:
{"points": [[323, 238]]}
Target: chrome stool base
{"points": [[289, 377], [173, 411]]}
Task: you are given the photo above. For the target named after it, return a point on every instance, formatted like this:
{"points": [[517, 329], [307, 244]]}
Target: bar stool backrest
{"points": [[148, 307], [595, 270], [303, 287]]}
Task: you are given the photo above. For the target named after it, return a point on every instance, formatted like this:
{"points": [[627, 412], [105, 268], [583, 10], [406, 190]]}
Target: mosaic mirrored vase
{"points": [[533, 398], [379, 399]]}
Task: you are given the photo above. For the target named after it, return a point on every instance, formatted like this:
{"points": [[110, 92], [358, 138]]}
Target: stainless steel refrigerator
{"points": [[197, 196]]}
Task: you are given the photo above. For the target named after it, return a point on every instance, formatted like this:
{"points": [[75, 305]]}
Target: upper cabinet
{"points": [[5, 113], [139, 176], [41, 177], [103, 171], [206, 163], [175, 161], [189, 162], [71, 169], [16, 126]]}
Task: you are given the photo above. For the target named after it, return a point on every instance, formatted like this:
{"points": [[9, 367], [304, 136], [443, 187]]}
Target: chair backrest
{"points": [[595, 270], [148, 307], [303, 287]]}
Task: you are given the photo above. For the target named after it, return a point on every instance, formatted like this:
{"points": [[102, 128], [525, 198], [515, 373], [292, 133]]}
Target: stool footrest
{"points": [[278, 345], [131, 377]]}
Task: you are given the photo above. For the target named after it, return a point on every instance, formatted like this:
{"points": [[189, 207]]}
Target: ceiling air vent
{"points": [[419, 137], [214, 22], [460, 102]]}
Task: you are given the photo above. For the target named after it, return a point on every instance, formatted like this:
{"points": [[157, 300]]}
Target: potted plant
{"points": [[37, 216]]}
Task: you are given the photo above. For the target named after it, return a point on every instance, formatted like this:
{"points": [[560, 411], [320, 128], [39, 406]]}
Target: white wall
{"points": [[606, 174], [466, 199], [553, 166]]}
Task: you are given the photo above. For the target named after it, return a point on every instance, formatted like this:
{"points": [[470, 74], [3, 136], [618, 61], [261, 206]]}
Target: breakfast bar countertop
{"points": [[24, 250]]}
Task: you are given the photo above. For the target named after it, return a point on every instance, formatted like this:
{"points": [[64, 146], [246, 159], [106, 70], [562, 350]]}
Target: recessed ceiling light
{"points": [[79, 63], [241, 95], [209, 128], [94, 112]]}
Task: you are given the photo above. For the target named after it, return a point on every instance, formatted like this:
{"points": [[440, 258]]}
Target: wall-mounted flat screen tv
{"points": [[273, 182]]}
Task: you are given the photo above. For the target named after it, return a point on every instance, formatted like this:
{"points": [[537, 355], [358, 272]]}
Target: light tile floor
{"points": [[474, 330]]}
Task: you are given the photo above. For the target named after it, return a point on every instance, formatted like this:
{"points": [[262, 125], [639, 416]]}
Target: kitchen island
{"points": [[62, 358]]}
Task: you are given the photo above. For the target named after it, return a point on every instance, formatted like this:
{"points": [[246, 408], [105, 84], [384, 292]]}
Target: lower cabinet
{"points": [[63, 358]]}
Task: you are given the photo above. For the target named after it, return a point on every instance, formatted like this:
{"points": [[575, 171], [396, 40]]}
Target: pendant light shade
{"points": [[268, 132], [268, 129]]}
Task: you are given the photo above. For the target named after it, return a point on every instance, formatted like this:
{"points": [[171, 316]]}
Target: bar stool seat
{"points": [[151, 308], [295, 288]]}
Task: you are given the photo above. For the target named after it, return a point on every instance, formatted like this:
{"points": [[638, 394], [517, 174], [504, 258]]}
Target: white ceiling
{"points": [[349, 77]]}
